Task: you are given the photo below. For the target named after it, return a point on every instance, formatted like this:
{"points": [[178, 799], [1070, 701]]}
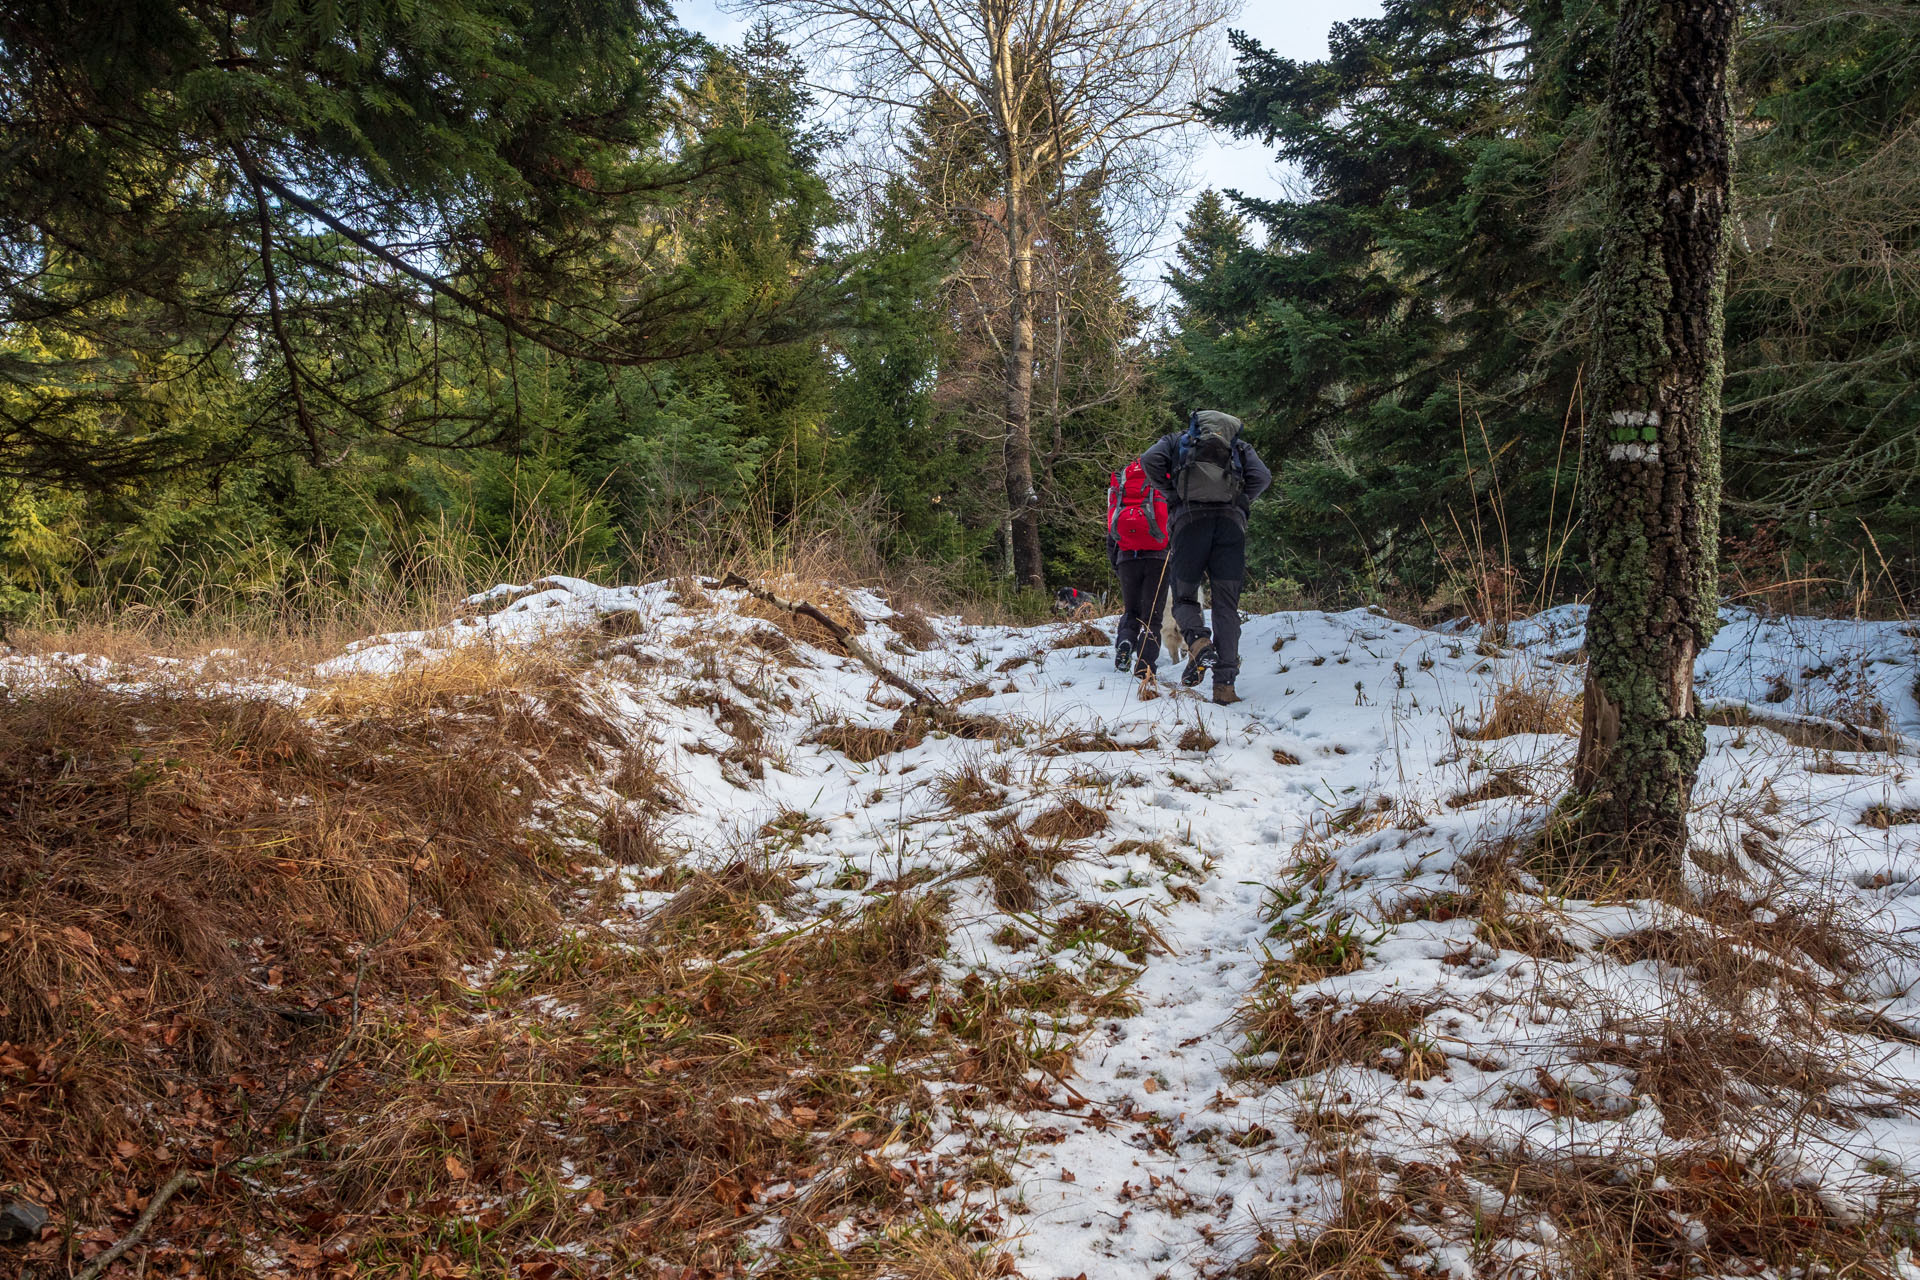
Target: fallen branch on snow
{"points": [[839, 633]]}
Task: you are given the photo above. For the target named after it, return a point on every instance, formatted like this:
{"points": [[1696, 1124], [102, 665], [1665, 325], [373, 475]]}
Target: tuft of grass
{"points": [[1697, 1210], [1071, 819], [1080, 637], [1885, 817], [1011, 864], [629, 835], [1362, 1240], [913, 626], [813, 589], [865, 743], [1109, 926], [1078, 741], [1525, 703], [717, 911], [1196, 738], [640, 778], [965, 788], [1501, 784], [1315, 951], [1288, 1038]]}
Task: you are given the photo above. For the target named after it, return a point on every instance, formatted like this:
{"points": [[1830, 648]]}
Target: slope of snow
{"points": [[1166, 1152], [1834, 670]]}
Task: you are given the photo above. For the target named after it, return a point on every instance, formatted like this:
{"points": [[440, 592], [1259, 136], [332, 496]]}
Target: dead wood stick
{"points": [[98, 1266], [839, 633]]}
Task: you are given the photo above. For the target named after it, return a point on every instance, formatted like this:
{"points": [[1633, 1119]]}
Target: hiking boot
{"points": [[1223, 694], [1200, 659], [1122, 654], [1141, 671]]}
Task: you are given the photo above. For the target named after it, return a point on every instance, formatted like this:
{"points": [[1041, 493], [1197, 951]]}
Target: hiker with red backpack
{"points": [[1210, 476], [1137, 536]]}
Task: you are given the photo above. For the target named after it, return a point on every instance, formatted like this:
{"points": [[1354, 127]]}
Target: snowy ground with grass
{"points": [[1131, 985]]}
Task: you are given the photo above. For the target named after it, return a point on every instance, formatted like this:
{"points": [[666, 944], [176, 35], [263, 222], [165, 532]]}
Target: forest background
{"points": [[317, 310]]}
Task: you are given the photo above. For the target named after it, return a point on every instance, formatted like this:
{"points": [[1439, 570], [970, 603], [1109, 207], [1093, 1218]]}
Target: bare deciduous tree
{"points": [[1073, 94]]}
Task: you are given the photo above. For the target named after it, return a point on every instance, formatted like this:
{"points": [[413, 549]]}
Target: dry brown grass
{"points": [[1196, 738], [1080, 637], [814, 589], [1130, 935], [1013, 866], [1071, 819], [1306, 1036], [685, 1090], [1501, 784], [865, 743], [719, 910], [965, 788], [914, 627], [1884, 817], [1525, 703], [1362, 1240], [629, 835], [197, 883], [1078, 741], [1695, 1212], [1509, 917]]}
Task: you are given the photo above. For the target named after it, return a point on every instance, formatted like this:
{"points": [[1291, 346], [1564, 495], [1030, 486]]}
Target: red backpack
{"points": [[1136, 513]]}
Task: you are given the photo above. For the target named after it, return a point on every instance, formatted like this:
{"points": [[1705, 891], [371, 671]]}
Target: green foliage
{"points": [[1407, 338], [1823, 369], [890, 434], [290, 228], [1400, 305], [301, 296]]}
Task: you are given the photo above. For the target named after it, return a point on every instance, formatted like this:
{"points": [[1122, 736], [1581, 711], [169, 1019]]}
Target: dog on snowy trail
{"points": [[1173, 645], [1072, 602]]}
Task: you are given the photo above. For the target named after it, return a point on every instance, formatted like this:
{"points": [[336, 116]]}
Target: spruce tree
{"points": [[1403, 292], [290, 189]]}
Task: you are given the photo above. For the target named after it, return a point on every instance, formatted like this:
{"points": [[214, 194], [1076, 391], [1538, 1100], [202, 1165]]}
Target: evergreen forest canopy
{"points": [[323, 297]]}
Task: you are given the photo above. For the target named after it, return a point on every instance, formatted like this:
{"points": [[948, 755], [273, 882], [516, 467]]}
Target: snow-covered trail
{"points": [[1177, 1175], [1160, 1155]]}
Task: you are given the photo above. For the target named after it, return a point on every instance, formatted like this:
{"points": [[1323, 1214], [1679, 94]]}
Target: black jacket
{"points": [[1158, 463]]}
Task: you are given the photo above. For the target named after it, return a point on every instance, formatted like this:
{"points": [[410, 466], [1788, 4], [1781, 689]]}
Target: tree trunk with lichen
{"points": [[1651, 457]]}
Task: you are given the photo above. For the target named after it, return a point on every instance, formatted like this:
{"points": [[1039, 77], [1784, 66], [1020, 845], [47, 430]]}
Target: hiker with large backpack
{"points": [[1137, 533], [1209, 476]]}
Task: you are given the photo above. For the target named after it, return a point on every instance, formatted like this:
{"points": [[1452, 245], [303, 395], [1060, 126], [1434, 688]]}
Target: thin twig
{"points": [[319, 1086], [173, 1186]]}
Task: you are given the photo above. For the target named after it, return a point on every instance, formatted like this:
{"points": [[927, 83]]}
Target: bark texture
{"points": [[1651, 457], [1023, 512]]}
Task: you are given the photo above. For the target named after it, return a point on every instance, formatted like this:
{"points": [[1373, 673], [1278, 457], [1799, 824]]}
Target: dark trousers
{"points": [[1143, 595], [1214, 546]]}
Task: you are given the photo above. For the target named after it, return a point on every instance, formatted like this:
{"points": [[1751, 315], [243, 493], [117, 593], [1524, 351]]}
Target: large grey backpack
{"points": [[1207, 468]]}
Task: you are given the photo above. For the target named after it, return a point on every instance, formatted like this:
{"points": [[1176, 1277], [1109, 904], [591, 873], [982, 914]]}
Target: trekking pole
{"points": [[1132, 680]]}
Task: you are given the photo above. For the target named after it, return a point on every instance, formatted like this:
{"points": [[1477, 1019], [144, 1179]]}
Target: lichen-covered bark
{"points": [[1651, 458]]}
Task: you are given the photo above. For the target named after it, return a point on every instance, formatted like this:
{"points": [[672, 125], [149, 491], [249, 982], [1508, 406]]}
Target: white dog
{"points": [[1173, 645]]}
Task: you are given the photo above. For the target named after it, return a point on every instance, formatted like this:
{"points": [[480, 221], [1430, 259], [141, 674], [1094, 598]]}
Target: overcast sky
{"points": [[1293, 28]]}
